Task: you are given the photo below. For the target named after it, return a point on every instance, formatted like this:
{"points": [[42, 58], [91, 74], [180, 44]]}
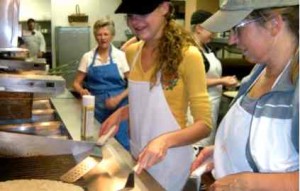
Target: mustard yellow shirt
{"points": [[190, 88]]}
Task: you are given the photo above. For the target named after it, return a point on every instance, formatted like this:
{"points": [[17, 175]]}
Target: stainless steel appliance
{"points": [[22, 81], [9, 16], [70, 45], [38, 157]]}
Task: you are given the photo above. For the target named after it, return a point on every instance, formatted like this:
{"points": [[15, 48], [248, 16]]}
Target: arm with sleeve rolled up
{"points": [[77, 84], [227, 81], [248, 181], [80, 76]]}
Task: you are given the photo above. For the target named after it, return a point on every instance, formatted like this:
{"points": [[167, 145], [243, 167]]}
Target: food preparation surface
{"points": [[36, 167]]}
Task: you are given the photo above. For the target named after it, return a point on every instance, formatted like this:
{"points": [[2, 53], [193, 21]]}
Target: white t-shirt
{"points": [[117, 55]]}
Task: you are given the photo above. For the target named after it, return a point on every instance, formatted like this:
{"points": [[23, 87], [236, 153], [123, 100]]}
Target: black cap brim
{"points": [[138, 7]]}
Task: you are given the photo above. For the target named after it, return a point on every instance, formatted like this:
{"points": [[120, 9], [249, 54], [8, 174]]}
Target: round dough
{"points": [[37, 185]]}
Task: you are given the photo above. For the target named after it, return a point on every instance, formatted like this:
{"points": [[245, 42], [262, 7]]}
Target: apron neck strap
{"points": [[96, 52], [110, 55]]}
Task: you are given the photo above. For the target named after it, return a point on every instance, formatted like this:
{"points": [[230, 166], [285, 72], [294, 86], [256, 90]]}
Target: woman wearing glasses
{"points": [[257, 143]]}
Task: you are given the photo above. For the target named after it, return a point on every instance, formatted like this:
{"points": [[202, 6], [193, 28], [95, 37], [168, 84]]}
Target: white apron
{"points": [[230, 143], [32, 42], [150, 117], [215, 94], [265, 133]]}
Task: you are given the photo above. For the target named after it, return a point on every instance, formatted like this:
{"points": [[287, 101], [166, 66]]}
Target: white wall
{"points": [[36, 9]]}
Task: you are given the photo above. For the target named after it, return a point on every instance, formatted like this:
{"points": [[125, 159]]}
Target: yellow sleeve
{"points": [[195, 82]]}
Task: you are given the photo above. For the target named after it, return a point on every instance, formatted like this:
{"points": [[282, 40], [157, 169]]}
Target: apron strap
{"points": [[94, 57], [110, 55], [249, 157]]}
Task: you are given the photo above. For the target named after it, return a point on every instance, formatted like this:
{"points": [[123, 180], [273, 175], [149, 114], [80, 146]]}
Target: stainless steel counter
{"points": [[68, 108], [112, 172]]}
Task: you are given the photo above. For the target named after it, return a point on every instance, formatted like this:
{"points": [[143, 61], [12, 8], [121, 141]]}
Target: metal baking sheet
{"points": [[17, 65], [19, 145], [45, 84]]}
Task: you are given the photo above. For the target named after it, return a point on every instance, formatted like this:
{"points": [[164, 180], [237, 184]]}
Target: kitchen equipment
{"points": [[38, 157], [29, 145], [44, 84], [38, 128], [76, 39], [130, 179], [15, 105], [14, 65], [194, 181], [9, 16], [89, 162]]}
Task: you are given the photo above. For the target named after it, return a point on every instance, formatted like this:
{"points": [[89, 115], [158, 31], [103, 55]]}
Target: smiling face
{"points": [[103, 37], [150, 26]]}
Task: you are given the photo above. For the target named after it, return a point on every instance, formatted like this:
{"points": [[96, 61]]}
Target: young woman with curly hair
{"points": [[167, 74]]}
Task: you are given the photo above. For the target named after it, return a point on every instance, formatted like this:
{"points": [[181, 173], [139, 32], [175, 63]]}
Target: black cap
{"points": [[139, 7], [200, 16]]}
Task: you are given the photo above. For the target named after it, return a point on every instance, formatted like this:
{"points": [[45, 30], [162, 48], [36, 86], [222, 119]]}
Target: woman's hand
{"points": [[113, 120], [205, 154], [112, 102], [84, 92], [154, 152], [229, 81]]}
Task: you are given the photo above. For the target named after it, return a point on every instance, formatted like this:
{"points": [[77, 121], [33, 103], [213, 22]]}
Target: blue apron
{"points": [[104, 82]]}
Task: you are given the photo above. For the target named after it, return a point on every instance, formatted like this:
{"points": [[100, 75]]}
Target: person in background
{"points": [[103, 72], [33, 40], [257, 142], [129, 42], [213, 68], [167, 73]]}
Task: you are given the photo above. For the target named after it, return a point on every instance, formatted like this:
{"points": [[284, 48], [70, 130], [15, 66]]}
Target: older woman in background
{"points": [[102, 72]]}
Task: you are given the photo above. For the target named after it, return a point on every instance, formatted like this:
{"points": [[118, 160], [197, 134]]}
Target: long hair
{"points": [[174, 41]]}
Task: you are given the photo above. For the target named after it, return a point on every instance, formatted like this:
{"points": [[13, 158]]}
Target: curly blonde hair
{"points": [[174, 41]]}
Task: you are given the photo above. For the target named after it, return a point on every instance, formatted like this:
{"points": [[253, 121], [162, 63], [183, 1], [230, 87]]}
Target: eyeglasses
{"points": [[236, 29]]}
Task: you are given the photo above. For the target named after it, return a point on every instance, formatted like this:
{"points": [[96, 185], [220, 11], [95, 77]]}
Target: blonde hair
{"points": [[174, 41], [105, 22]]}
